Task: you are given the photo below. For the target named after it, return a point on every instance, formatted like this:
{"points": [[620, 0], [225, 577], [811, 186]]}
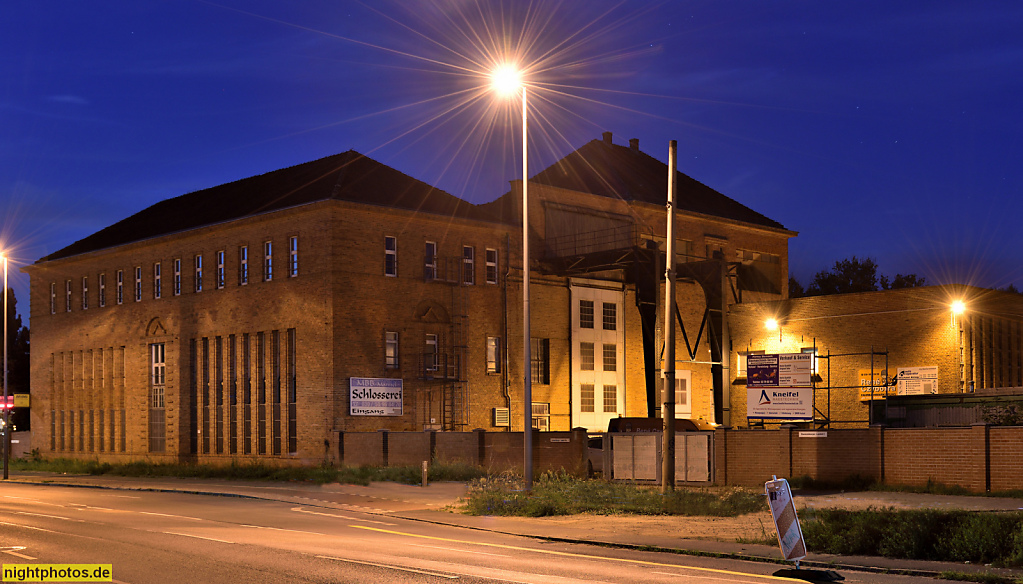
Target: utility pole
{"points": [[668, 390]]}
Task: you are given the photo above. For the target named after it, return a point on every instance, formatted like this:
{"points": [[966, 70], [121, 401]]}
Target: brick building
{"points": [[864, 340], [260, 317]]}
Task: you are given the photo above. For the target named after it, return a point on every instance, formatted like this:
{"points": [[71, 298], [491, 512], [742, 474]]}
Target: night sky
{"points": [[881, 129]]}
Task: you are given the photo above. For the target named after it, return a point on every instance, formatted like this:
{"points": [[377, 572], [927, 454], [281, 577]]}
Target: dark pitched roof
{"points": [[349, 176], [622, 172]]}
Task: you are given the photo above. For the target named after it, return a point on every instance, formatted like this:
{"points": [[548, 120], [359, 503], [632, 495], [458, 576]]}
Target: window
{"points": [[157, 385], [177, 277], [586, 356], [158, 371], [243, 265], [541, 416], [268, 261], [610, 316], [430, 261], [67, 296], [540, 361], [491, 266], [53, 298], [138, 283], [157, 280], [85, 293], [813, 362], [493, 355], [198, 273], [293, 257], [120, 286], [681, 394], [586, 397], [391, 350], [390, 256], [610, 399], [610, 357], [468, 265], [220, 270], [430, 355], [102, 290], [586, 314]]}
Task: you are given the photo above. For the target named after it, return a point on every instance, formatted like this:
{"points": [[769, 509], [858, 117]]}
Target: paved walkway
{"points": [[435, 504]]}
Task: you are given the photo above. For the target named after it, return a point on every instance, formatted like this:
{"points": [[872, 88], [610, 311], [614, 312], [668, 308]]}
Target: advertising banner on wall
{"points": [[375, 397], [779, 403], [878, 387], [917, 380], [782, 370]]}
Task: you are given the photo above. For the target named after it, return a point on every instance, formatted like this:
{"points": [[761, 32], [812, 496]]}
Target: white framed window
{"points": [[540, 361], [491, 258], [268, 261], [120, 286], [610, 354], [493, 355], [157, 280], [243, 265], [430, 261], [610, 399], [390, 256], [158, 370], [586, 397], [468, 265], [53, 298], [177, 277], [293, 256], [67, 296], [586, 357], [541, 416], [198, 273], [391, 350], [138, 283], [85, 292], [430, 355], [220, 270], [585, 314], [102, 290], [610, 316]]}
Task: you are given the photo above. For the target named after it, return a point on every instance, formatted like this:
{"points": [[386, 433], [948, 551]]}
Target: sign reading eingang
{"points": [[370, 396]]}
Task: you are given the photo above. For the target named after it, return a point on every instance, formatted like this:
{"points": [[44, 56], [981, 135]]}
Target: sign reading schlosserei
{"points": [[375, 397]]}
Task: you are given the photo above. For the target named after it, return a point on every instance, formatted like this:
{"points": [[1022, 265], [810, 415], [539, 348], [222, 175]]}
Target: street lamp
{"points": [[7, 407], [507, 80]]}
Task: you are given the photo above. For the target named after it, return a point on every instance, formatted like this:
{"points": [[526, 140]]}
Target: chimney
{"points": [[634, 144], [607, 138]]}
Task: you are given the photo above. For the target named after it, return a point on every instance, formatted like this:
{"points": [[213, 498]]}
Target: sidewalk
{"points": [[434, 503]]}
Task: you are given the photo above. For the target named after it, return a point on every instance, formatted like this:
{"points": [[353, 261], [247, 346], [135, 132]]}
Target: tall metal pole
{"points": [[668, 390], [527, 369], [7, 409]]}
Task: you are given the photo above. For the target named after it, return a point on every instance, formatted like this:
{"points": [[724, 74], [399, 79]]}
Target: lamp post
{"points": [[507, 81], [7, 408]]}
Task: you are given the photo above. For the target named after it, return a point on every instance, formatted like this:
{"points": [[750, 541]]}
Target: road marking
{"points": [[80, 507], [390, 567], [301, 510], [123, 496], [281, 529], [37, 501], [26, 526], [574, 555], [458, 550], [11, 550], [166, 515], [676, 574], [50, 516], [196, 536]]}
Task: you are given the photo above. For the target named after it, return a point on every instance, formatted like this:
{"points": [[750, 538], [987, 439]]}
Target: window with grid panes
{"points": [[586, 357], [610, 399], [586, 397], [610, 314], [586, 314], [610, 357]]}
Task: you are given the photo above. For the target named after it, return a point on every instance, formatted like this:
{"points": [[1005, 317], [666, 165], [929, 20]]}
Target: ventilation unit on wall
{"points": [[502, 417]]}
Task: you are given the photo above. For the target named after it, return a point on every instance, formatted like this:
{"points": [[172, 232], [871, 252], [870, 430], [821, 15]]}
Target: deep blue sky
{"points": [[874, 128]]}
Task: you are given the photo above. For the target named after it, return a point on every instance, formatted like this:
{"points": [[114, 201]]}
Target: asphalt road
{"points": [[152, 537]]}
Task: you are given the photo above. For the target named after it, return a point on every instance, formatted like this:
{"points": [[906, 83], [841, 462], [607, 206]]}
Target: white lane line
{"points": [[36, 501], [457, 550], [13, 550], [196, 536], [390, 567], [702, 577], [26, 526], [345, 517], [79, 507], [123, 496], [50, 516], [280, 529], [166, 515]]}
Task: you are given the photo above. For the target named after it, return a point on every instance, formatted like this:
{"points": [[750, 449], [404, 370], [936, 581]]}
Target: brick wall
{"points": [[952, 456], [1006, 458]]}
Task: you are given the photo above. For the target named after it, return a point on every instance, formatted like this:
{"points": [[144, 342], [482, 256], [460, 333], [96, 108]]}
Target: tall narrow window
{"points": [[268, 261], [157, 385], [610, 399], [430, 261], [220, 270], [85, 293], [198, 273], [430, 354], [491, 266], [493, 354], [177, 277], [390, 256], [586, 359], [586, 314], [120, 286], [586, 397], [292, 392], [391, 350], [157, 280], [67, 296], [138, 283], [468, 265], [540, 361], [102, 290], [243, 265], [293, 256], [53, 298], [610, 357], [610, 316]]}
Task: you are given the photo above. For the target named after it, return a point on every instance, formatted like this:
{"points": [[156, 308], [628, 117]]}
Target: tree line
{"points": [[852, 275]]}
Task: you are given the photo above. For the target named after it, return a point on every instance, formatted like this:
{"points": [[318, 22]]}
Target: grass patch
{"points": [[862, 483], [411, 475], [563, 494], [926, 534], [982, 577]]}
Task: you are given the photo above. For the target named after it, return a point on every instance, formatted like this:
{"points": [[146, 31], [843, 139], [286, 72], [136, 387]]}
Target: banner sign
{"points": [[772, 403], [783, 370], [375, 397], [917, 380], [877, 388], [786, 522]]}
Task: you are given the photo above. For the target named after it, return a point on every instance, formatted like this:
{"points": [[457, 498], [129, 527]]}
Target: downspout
{"points": [[504, 324]]}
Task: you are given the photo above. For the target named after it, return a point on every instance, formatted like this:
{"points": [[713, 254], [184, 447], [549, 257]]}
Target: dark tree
{"points": [[848, 275], [17, 358], [902, 281], [795, 288]]}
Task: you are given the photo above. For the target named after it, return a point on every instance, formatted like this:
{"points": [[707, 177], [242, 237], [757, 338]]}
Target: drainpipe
{"points": [[504, 324]]}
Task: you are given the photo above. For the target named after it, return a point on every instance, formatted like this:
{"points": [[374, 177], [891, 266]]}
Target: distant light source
{"points": [[958, 307], [506, 80], [771, 324]]}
